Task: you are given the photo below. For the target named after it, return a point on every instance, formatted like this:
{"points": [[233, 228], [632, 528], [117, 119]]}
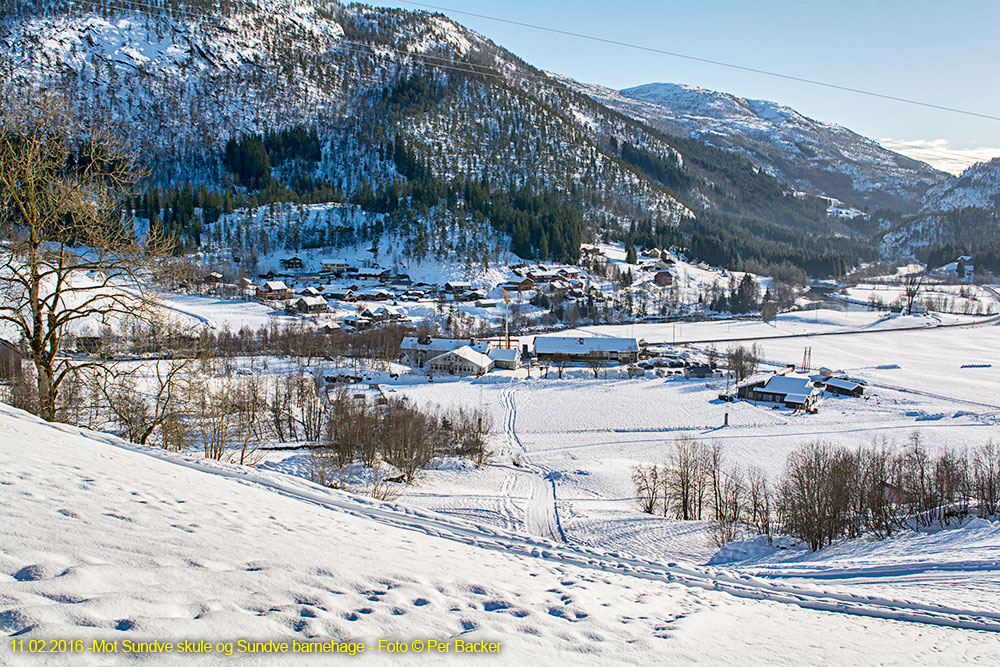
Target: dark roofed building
{"points": [[594, 348]]}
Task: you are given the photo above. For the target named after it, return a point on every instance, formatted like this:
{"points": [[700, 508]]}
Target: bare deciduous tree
{"points": [[743, 361], [912, 284], [647, 486], [65, 246], [141, 412]]}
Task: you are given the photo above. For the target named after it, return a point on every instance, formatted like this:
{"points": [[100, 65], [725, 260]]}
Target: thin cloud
{"points": [[938, 154]]}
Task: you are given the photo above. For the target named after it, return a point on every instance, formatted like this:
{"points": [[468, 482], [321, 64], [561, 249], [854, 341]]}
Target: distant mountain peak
{"points": [[809, 155]]}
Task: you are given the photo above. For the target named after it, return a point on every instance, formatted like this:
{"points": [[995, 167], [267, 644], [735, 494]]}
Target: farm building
{"points": [[790, 391], [506, 359], [11, 358], [460, 361], [572, 348], [90, 344], [416, 352], [274, 290], [843, 387]]}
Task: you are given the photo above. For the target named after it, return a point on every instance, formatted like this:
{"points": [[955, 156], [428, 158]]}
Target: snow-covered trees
{"points": [[826, 492]]}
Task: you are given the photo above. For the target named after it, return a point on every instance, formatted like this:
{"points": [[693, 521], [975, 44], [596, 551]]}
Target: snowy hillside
{"points": [[962, 210], [809, 155], [397, 111], [105, 541], [192, 78]]}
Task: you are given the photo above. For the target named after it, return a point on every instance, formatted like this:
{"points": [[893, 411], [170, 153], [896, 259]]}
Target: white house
{"points": [[504, 358], [460, 361], [274, 290], [415, 352]]}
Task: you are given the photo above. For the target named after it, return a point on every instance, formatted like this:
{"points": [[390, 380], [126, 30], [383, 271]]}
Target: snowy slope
{"points": [[807, 154], [963, 209], [102, 540]]}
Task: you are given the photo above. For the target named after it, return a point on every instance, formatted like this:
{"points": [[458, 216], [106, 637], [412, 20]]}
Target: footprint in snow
{"points": [[31, 573]]}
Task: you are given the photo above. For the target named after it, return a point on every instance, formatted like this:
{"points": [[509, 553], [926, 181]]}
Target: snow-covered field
{"points": [[102, 540], [576, 440]]}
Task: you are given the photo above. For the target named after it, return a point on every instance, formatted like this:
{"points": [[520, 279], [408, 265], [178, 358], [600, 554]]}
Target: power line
{"points": [[709, 61]]}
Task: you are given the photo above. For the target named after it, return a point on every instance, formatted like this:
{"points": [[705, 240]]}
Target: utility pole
{"points": [[506, 314]]}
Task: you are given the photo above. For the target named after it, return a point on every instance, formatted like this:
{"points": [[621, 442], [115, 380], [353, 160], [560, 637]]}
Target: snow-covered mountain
{"points": [[184, 81], [809, 155], [394, 96], [408, 112], [963, 212]]}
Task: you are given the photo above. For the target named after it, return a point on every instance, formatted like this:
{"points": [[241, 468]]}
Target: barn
{"points": [[790, 391], [842, 387], [586, 349]]}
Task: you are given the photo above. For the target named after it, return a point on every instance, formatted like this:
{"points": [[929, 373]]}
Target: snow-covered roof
{"points": [[468, 354], [441, 345], [275, 286], [789, 385], [577, 345], [503, 354], [846, 385], [313, 300]]}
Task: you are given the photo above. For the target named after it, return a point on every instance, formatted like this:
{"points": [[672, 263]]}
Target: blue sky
{"points": [[943, 53]]}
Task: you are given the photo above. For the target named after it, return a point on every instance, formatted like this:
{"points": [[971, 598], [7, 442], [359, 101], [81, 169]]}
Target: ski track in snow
{"points": [[541, 512]]}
